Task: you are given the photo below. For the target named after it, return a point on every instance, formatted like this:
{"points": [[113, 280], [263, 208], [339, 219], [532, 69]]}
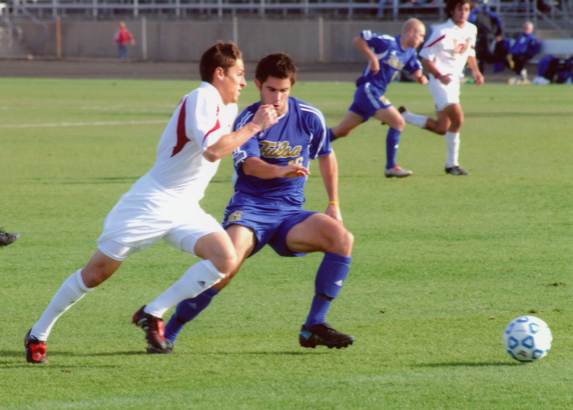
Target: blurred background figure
{"points": [[122, 37], [488, 28], [7, 238], [524, 48]]}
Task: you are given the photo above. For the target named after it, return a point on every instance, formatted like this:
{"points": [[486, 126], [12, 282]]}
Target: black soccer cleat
{"points": [[456, 170], [167, 350], [35, 349], [402, 110], [323, 335], [153, 327], [8, 238]]}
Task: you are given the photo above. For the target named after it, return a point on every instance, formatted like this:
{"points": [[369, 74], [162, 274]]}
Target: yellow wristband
{"points": [[333, 203]]}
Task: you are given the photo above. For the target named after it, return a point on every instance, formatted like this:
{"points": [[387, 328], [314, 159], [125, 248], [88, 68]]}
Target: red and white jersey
{"points": [[449, 47], [198, 122]]}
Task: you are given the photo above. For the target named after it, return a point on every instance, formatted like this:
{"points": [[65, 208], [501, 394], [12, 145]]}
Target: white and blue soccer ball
{"points": [[527, 338]]}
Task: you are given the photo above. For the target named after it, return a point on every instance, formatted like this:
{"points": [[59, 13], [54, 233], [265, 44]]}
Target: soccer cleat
{"points": [[323, 335], [456, 170], [153, 327], [35, 349], [8, 238], [397, 172], [402, 110], [167, 350]]}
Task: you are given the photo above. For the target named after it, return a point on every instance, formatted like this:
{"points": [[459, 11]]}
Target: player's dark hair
{"points": [[452, 4], [277, 65], [223, 55]]}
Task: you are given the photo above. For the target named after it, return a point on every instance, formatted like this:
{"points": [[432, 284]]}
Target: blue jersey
{"points": [[392, 58], [526, 44], [301, 134]]}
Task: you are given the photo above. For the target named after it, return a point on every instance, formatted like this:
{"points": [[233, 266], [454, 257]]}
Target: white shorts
{"points": [[148, 213], [445, 95]]}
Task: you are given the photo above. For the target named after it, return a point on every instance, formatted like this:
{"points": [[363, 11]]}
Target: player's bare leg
{"points": [[244, 241], [321, 233], [391, 117], [350, 121], [98, 269]]}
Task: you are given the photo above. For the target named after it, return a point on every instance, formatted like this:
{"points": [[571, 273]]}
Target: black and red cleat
{"points": [[153, 327], [35, 349]]}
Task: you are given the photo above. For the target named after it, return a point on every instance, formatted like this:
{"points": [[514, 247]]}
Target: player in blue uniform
{"points": [[266, 208], [387, 56]]}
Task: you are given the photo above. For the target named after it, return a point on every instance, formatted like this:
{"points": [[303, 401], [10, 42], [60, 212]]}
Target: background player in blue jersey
{"points": [[267, 205], [387, 56]]}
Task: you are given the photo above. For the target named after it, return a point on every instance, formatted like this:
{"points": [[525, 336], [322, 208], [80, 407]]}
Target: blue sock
{"points": [[392, 140], [329, 280], [187, 311], [331, 136]]}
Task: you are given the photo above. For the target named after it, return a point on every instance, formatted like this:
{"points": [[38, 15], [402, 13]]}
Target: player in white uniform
{"points": [[444, 56], [164, 203]]}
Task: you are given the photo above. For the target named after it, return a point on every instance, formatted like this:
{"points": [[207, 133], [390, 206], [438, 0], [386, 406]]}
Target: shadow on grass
{"points": [[463, 364], [20, 353], [305, 353]]}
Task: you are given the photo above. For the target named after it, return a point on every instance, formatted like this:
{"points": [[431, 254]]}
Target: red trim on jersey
{"points": [[181, 134], [215, 128], [430, 45]]}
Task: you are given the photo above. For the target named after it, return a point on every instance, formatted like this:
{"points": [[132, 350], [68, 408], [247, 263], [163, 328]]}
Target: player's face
{"points": [[461, 14], [233, 83], [417, 37], [275, 91]]}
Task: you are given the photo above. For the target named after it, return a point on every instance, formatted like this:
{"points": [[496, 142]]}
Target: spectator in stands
{"points": [[122, 37], [488, 27], [524, 48]]}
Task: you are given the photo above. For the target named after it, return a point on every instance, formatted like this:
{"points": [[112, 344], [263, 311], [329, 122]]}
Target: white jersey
{"points": [[198, 122], [449, 47]]}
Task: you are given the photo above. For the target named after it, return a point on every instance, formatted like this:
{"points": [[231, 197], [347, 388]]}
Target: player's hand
{"points": [[374, 66], [445, 79], [479, 78], [265, 116], [333, 210], [423, 80], [292, 171]]}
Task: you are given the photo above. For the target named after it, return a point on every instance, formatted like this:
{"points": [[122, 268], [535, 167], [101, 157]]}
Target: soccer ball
{"points": [[527, 338]]}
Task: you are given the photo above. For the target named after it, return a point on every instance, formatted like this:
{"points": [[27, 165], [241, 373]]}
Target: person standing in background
{"points": [[122, 37]]}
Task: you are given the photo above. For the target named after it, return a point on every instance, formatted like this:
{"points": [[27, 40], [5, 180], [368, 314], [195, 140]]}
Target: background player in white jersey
{"points": [[164, 204], [387, 56], [444, 56]]}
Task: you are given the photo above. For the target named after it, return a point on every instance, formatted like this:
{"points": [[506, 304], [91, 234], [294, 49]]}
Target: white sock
{"points": [[414, 119], [196, 280], [72, 290], [453, 146]]}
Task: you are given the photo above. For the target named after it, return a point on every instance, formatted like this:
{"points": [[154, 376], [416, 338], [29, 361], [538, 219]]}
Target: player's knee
{"points": [[441, 129], [225, 262], [399, 123], [342, 245], [341, 132]]}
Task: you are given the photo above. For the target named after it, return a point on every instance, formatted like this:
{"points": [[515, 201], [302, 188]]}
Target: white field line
{"points": [[84, 124]]}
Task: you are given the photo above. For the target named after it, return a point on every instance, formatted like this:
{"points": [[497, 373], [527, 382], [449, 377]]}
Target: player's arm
{"points": [[256, 167], [264, 118], [362, 46], [419, 77], [329, 170], [472, 64], [430, 67]]}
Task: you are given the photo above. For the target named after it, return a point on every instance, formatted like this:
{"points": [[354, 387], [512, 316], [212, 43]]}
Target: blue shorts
{"points": [[367, 100], [270, 220]]}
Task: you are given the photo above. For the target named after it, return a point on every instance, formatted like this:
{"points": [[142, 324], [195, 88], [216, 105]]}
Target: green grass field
{"points": [[441, 263]]}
